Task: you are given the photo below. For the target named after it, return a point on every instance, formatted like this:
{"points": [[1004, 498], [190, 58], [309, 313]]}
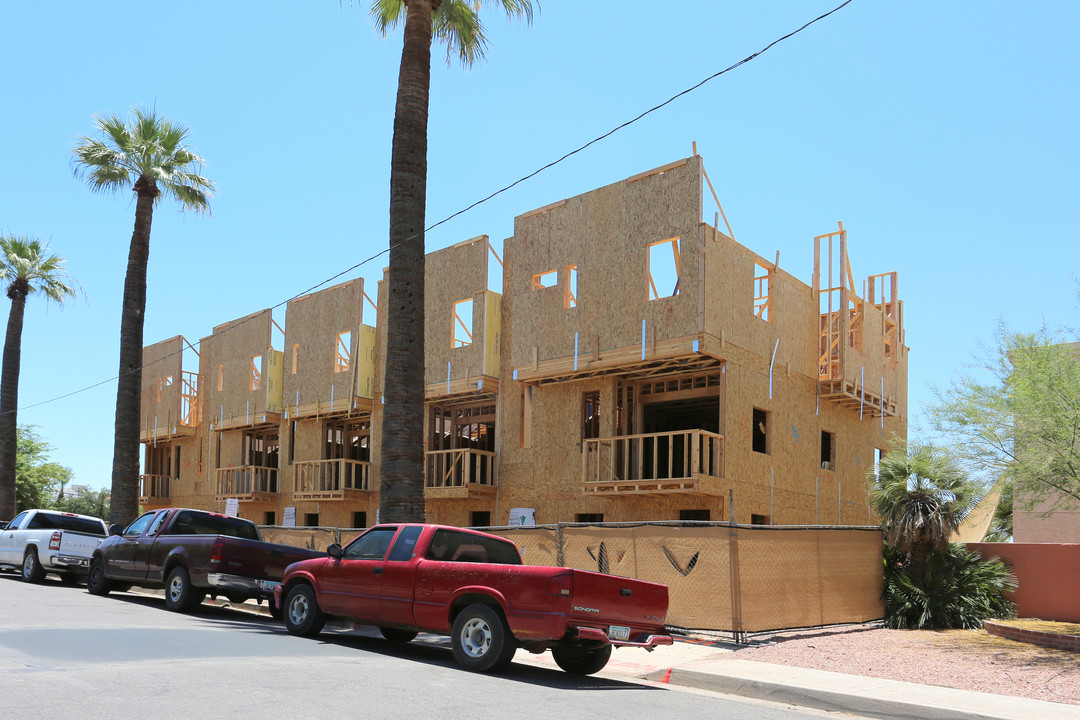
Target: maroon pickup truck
{"points": [[191, 553], [472, 586]]}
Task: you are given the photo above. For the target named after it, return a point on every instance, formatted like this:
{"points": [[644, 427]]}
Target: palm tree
{"points": [[921, 496], [149, 156], [27, 267], [457, 23]]}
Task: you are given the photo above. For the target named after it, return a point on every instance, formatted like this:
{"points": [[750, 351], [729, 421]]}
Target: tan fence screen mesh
{"points": [[719, 577]]}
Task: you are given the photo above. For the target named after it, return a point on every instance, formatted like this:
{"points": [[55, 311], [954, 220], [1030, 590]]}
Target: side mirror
{"points": [[116, 529], [334, 551]]}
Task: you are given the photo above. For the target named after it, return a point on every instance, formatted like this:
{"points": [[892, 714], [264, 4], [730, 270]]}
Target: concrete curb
{"points": [[869, 697]]}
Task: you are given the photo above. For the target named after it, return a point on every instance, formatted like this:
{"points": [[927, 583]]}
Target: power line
{"points": [[498, 192]]}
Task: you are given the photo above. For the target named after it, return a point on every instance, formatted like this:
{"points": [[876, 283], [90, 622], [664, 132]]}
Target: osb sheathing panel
{"points": [[313, 322], [161, 360], [232, 346], [451, 275], [606, 233]]}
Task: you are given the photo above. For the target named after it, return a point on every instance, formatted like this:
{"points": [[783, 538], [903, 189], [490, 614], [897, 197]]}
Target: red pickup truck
{"points": [[472, 586], [191, 553]]}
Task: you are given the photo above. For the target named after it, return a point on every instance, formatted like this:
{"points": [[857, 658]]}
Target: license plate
{"points": [[618, 632], [268, 585]]}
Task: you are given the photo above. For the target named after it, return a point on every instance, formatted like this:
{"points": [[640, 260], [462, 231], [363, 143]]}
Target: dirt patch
{"points": [[963, 659]]}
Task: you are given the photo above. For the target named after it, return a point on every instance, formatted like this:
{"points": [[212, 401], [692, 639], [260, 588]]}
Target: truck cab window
{"points": [[405, 544], [136, 528], [372, 545]]}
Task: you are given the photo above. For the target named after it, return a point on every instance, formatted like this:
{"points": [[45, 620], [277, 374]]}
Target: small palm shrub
{"points": [[961, 589]]}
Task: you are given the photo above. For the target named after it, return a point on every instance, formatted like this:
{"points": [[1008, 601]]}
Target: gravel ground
{"points": [[965, 659]]}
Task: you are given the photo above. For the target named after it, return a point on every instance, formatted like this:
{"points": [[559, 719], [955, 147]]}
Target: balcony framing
{"points": [[335, 479], [460, 473], [683, 461], [154, 488], [247, 483]]}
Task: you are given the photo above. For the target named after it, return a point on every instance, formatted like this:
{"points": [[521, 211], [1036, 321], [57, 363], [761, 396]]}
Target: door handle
{"points": [[377, 571]]}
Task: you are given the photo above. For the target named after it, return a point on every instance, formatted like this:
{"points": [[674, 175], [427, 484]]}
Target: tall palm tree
{"points": [[27, 267], [149, 156], [921, 496], [457, 23]]}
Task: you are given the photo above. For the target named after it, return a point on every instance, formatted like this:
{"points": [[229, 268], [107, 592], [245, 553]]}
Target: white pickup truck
{"points": [[44, 541]]}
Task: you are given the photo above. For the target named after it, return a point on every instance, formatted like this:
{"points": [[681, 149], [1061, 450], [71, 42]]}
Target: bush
{"points": [[961, 589]]}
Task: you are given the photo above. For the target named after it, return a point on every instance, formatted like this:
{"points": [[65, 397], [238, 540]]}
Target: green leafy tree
{"points": [[1019, 419], [36, 477], [1001, 527], [28, 268], [921, 496], [85, 501], [457, 23], [148, 156]]}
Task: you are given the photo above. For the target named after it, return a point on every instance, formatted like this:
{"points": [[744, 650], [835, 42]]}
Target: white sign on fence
{"points": [[232, 507]]}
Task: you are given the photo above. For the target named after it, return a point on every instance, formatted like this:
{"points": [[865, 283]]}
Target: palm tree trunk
{"points": [[401, 466], [9, 404], [125, 472]]}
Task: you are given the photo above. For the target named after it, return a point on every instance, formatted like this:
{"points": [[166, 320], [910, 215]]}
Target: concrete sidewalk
{"points": [[709, 666]]}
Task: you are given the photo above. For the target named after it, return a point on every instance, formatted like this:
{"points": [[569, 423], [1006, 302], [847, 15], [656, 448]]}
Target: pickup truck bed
{"points": [[191, 553], [48, 541], [472, 586]]}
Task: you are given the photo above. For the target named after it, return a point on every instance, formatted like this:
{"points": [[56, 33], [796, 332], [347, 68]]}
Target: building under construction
{"points": [[639, 365]]}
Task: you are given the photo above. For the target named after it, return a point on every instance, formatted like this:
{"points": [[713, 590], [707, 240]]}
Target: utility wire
{"points": [[466, 209]]}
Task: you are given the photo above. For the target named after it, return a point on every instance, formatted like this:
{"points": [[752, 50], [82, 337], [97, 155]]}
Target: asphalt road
{"points": [[67, 654]]}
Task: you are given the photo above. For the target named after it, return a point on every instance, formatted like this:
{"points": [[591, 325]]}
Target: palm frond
{"points": [[386, 14], [25, 259]]}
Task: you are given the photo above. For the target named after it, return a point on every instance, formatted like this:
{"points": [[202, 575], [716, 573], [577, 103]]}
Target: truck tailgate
{"points": [[613, 600], [77, 544], [261, 560]]}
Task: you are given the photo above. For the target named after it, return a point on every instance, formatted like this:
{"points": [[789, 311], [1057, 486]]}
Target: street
{"points": [[65, 653]]}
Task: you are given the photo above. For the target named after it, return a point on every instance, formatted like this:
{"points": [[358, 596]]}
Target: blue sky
{"points": [[943, 135]]}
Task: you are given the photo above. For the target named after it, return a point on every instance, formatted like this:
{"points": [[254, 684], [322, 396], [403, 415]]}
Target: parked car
{"points": [[47, 541], [473, 587], [191, 553]]}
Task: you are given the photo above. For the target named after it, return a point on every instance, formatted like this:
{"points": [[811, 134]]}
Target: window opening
{"points": [[480, 518], [828, 450], [343, 352], [311, 519], [545, 280], [759, 519], [348, 440], [762, 297], [589, 517], [359, 519], [663, 269], [463, 323], [269, 518], [220, 376], [696, 515], [256, 372], [590, 415], [295, 358], [760, 431], [570, 290]]}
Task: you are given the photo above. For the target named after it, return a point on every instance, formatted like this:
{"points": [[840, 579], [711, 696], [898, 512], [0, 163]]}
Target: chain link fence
{"points": [[720, 577]]}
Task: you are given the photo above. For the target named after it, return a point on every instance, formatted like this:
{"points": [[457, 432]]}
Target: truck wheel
{"points": [[577, 659], [180, 594], [96, 582], [32, 571], [481, 640], [398, 635], [302, 614]]}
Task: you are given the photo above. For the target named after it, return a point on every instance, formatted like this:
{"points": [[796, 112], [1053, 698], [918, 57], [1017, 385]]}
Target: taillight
{"points": [[54, 541], [561, 584], [216, 551]]}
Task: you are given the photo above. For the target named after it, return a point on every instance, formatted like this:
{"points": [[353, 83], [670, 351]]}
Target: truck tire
{"points": [[32, 572], [180, 594], [481, 640], [577, 659], [398, 635], [301, 612], [96, 582]]}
